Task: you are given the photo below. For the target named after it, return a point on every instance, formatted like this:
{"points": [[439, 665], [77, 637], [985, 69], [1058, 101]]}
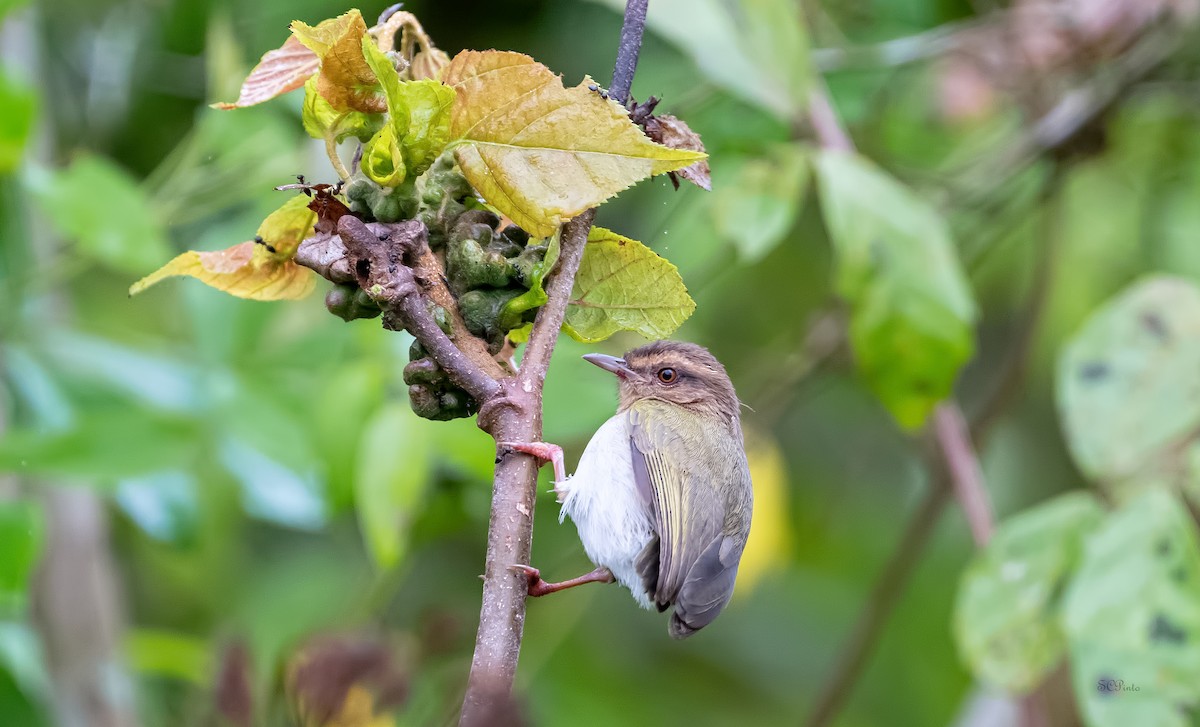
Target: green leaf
{"points": [[756, 209], [535, 297], [1132, 616], [419, 112], [22, 532], [394, 469], [1129, 385], [102, 209], [170, 654], [912, 310], [754, 49], [382, 162], [1006, 613], [622, 285], [20, 108], [541, 153], [319, 117]]}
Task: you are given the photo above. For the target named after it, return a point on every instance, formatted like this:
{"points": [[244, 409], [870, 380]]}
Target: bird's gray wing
{"points": [[687, 508]]}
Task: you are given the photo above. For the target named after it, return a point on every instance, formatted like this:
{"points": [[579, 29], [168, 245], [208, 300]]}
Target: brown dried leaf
{"points": [[675, 133], [281, 70], [429, 64]]}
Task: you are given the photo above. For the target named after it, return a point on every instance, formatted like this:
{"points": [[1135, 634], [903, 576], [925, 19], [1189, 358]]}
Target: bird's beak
{"points": [[610, 363]]}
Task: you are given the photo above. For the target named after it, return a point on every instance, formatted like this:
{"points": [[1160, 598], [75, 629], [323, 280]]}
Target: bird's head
{"points": [[675, 372]]}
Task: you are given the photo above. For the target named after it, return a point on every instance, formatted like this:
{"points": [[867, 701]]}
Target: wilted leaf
{"points": [[895, 263], [345, 81], [281, 70], [755, 49], [319, 118], [1132, 617], [96, 204], [624, 285], [541, 153], [391, 477], [676, 134], [757, 208], [344, 682], [429, 64], [258, 271], [20, 108], [1129, 383], [1006, 615], [21, 534], [419, 112]]}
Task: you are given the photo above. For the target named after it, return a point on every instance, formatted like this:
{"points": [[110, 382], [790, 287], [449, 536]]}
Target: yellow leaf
{"points": [[246, 270], [281, 70], [346, 81], [258, 271], [539, 152], [285, 228], [770, 533]]}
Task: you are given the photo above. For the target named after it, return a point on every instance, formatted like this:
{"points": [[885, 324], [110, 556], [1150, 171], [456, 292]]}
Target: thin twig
{"points": [[878, 606], [630, 47], [966, 476]]}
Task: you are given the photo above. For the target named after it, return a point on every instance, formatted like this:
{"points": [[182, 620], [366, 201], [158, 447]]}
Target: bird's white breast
{"points": [[603, 502]]}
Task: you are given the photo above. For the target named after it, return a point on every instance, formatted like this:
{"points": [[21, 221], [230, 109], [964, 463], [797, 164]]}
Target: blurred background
{"points": [[203, 495]]}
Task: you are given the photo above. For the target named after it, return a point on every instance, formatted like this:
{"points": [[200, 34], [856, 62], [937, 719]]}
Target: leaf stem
{"points": [[331, 148]]}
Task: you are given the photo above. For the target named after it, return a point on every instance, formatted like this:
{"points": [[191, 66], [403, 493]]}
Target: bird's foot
{"points": [[545, 452], [538, 587]]}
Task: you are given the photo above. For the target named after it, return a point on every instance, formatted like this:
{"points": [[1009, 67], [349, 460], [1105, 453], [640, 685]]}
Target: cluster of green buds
{"points": [[493, 272]]}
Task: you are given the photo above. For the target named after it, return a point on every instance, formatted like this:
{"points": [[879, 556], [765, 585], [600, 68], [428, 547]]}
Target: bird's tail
{"points": [[679, 629]]}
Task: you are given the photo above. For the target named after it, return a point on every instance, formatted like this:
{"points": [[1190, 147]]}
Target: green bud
{"points": [[424, 371], [349, 303]]}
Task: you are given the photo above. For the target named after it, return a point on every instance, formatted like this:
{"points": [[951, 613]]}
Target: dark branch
{"points": [[380, 269], [627, 53]]}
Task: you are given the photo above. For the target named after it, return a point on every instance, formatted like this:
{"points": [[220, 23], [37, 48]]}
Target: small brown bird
{"points": [[662, 496]]}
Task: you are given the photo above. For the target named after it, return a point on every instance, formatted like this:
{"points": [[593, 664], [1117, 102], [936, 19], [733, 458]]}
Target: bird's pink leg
{"points": [[538, 587], [545, 452]]}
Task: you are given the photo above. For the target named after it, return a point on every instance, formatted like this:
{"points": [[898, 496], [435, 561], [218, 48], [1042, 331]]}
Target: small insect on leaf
{"points": [[324, 203]]}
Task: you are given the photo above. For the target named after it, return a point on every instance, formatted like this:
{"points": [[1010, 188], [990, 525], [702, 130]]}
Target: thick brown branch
{"points": [[517, 417], [377, 261]]}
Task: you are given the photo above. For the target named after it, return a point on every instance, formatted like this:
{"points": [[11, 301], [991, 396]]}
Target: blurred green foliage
{"points": [[266, 483]]}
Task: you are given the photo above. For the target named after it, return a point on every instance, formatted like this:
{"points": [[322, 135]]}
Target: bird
{"points": [[662, 497]]}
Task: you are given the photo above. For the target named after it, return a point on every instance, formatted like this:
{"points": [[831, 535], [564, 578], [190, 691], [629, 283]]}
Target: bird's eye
{"points": [[667, 376]]}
